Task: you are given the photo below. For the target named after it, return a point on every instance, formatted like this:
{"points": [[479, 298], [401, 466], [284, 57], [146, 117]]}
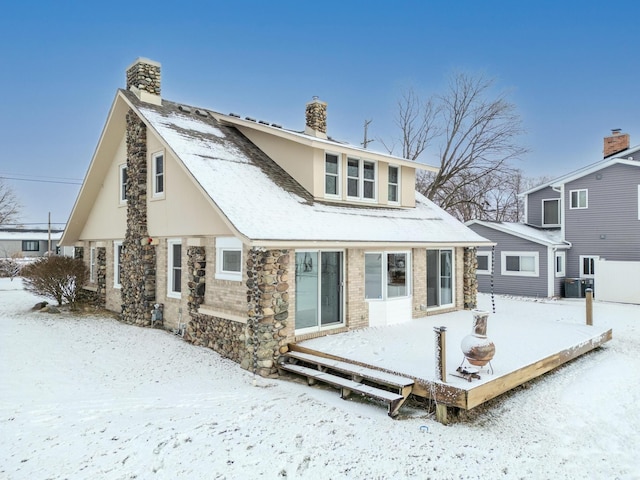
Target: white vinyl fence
{"points": [[617, 281]]}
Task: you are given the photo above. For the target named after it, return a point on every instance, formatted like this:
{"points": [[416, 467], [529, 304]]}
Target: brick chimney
{"points": [[616, 143], [143, 79], [316, 118]]}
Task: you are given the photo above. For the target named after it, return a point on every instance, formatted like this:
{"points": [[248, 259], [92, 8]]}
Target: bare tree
{"points": [[9, 205], [477, 138]]}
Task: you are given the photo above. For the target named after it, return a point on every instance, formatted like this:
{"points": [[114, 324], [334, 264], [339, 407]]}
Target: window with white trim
{"points": [[361, 179], [331, 174], [117, 263], [228, 259], [394, 184], [561, 260], [588, 265], [521, 264], [387, 275], [123, 183], [578, 199], [484, 263], [30, 246], [157, 169], [174, 270], [551, 212], [92, 264]]}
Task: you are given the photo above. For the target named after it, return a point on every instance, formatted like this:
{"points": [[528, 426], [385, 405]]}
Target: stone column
{"points": [[78, 253], [101, 277], [268, 309], [139, 255], [470, 281], [197, 265]]}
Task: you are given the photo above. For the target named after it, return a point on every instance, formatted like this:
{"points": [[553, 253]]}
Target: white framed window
{"points": [[578, 199], [92, 265], [332, 175], [484, 263], [157, 171], [588, 265], [361, 179], [117, 263], [561, 260], [228, 259], [387, 275], [521, 264], [123, 183], [394, 184], [174, 268], [551, 212]]}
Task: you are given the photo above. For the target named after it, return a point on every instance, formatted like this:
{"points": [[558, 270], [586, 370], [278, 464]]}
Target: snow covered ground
{"points": [[88, 397]]}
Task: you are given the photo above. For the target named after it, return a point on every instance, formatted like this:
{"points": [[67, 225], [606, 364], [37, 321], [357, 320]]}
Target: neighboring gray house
{"points": [[570, 222], [27, 243]]}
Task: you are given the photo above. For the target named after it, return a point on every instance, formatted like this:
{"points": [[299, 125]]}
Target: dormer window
{"points": [[551, 212], [331, 175], [394, 184], [361, 179]]}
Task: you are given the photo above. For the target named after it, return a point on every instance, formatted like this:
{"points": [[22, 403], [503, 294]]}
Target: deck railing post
{"points": [[589, 305], [441, 353]]}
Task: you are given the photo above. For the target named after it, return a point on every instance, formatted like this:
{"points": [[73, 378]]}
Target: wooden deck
{"points": [[467, 395]]}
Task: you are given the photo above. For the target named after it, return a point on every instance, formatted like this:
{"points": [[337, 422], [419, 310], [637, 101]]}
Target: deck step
{"points": [[376, 376], [329, 371]]}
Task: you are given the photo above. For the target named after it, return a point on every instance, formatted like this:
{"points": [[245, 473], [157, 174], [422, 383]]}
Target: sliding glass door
{"points": [[439, 278], [319, 290]]}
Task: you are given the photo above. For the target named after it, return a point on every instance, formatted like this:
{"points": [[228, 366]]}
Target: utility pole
{"points": [[366, 128], [49, 241]]}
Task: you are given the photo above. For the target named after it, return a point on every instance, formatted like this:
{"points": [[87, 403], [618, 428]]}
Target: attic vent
{"points": [[277, 125], [234, 115], [202, 113], [184, 109], [263, 122], [250, 119]]}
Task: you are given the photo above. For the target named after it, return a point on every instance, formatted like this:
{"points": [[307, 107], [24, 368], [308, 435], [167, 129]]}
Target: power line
{"points": [[31, 175], [41, 181]]}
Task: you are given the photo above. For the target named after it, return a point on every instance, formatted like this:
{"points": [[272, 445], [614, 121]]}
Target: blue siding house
{"points": [[571, 222]]}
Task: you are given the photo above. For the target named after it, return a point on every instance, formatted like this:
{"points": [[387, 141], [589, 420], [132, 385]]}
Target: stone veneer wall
{"points": [[101, 277], [470, 281], [144, 76], [78, 253], [139, 256]]}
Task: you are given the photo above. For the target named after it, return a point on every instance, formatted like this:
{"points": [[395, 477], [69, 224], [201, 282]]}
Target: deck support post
{"points": [[589, 304], [441, 353], [441, 413]]}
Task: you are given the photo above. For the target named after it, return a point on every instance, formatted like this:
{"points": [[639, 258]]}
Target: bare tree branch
{"points": [[9, 205]]}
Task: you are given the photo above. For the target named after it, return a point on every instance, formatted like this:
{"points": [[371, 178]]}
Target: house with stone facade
{"points": [[249, 236]]}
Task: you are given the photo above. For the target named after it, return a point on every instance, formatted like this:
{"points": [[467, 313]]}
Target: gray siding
{"points": [[513, 285], [13, 247], [534, 204], [609, 227]]}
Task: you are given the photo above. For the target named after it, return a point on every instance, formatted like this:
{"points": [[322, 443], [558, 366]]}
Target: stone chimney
{"points": [[616, 143], [143, 79], [316, 114]]}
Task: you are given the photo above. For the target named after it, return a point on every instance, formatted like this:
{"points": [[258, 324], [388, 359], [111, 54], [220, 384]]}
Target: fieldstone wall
{"points": [[469, 279], [144, 75], [101, 277], [197, 271], [139, 255], [268, 309], [78, 253]]}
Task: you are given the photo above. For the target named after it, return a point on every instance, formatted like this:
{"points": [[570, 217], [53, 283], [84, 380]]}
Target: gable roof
{"points": [[618, 158], [263, 204], [542, 236]]}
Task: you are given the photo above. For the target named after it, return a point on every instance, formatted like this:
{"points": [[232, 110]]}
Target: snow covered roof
{"points": [[265, 204], [543, 236], [28, 235]]}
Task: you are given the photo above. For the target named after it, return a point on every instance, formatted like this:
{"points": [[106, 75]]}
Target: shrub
{"points": [[9, 267], [56, 277]]}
